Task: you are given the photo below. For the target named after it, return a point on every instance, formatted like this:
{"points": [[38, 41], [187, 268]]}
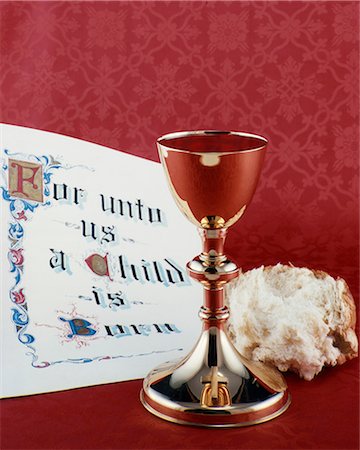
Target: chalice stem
{"points": [[214, 312], [213, 308], [213, 270]]}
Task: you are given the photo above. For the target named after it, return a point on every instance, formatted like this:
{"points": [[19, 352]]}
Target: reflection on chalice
{"points": [[213, 176]]}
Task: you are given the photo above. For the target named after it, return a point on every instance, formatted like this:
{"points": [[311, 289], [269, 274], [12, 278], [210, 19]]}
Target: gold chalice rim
{"points": [[162, 141]]}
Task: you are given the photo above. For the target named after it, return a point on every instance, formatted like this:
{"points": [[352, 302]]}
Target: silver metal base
{"points": [[214, 386]]}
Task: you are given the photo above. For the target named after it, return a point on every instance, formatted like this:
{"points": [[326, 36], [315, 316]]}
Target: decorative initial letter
{"points": [[26, 180]]}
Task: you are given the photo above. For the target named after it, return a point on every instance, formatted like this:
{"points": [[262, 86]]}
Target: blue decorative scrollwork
{"points": [[19, 209]]}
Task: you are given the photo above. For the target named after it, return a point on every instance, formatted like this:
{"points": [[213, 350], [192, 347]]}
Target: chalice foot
{"points": [[173, 392]]}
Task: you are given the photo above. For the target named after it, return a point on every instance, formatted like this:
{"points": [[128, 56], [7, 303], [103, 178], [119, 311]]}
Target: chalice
{"points": [[213, 176]]}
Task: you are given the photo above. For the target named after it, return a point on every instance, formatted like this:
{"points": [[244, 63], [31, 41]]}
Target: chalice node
{"points": [[213, 176]]}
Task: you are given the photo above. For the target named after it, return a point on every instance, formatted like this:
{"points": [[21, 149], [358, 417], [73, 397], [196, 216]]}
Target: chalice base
{"points": [[214, 386]]}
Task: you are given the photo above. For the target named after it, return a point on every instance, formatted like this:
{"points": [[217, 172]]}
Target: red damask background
{"points": [[122, 73]]}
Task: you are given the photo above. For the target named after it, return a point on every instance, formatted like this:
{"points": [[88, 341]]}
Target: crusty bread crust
{"points": [[344, 335]]}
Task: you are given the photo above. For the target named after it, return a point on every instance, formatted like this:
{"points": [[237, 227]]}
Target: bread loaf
{"points": [[294, 318]]}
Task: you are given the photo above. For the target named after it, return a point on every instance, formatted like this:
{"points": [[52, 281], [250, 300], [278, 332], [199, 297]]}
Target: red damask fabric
{"points": [[121, 74]]}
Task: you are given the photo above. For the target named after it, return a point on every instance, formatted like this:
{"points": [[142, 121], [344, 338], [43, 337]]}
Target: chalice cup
{"points": [[212, 176]]}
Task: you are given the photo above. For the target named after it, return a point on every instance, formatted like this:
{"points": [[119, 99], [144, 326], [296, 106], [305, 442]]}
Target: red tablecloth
{"points": [[324, 414]]}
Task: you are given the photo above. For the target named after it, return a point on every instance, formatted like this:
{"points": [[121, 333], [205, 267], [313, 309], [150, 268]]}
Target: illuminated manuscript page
{"points": [[93, 252]]}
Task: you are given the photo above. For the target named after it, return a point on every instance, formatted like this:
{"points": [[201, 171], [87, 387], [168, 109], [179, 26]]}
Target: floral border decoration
{"points": [[21, 210]]}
